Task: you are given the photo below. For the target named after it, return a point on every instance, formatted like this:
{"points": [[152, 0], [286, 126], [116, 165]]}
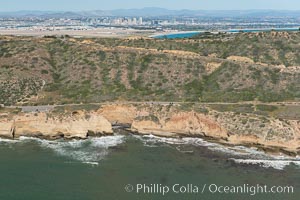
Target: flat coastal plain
{"points": [[96, 32]]}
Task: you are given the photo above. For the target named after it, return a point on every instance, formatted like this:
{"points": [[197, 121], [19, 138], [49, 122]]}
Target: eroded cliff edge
{"points": [[227, 127], [78, 124]]}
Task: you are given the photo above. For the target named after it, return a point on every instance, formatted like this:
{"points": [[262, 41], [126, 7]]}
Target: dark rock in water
{"points": [[122, 131], [120, 126], [58, 136], [289, 153], [119, 148], [94, 134]]}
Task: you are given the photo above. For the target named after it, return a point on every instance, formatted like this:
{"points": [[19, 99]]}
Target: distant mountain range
{"points": [[153, 11]]}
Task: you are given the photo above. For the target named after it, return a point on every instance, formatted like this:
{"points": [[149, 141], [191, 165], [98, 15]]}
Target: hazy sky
{"points": [[76, 5]]}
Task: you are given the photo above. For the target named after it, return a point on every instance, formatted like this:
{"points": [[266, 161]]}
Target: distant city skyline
{"points": [[83, 5]]}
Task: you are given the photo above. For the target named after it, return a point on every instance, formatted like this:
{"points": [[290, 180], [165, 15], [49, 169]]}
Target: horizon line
{"points": [[250, 9]]}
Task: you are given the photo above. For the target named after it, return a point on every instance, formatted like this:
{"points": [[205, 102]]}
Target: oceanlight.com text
{"points": [[208, 188]]}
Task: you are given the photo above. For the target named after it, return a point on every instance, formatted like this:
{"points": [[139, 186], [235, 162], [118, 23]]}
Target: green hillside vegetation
{"points": [[274, 48], [65, 70]]}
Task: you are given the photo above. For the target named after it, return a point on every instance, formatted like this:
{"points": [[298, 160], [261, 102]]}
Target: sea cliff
{"points": [[78, 124], [230, 128]]}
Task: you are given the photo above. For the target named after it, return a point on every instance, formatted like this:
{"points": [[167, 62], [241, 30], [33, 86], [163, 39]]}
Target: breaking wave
{"points": [[89, 151], [155, 141], [7, 141], [276, 164], [238, 154]]}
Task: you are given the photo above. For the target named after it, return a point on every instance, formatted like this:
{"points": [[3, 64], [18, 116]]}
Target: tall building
{"points": [[134, 21], [140, 21]]}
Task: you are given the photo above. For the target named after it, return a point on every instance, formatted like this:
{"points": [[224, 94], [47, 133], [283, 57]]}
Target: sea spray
{"points": [[238, 154], [89, 151]]}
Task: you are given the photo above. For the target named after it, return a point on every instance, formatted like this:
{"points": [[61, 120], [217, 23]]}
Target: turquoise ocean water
{"points": [[193, 33]]}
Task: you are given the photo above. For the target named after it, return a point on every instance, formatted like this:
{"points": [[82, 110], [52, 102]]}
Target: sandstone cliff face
{"points": [[181, 123], [118, 114], [226, 127], [6, 128], [78, 125], [252, 129], [167, 121]]}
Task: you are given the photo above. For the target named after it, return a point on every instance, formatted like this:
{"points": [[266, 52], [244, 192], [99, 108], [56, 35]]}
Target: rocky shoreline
{"points": [[269, 134]]}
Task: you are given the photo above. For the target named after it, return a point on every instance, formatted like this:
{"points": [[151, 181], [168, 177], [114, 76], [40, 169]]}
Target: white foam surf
{"points": [[244, 155], [3, 140], [276, 164], [89, 151], [92, 163], [156, 141]]}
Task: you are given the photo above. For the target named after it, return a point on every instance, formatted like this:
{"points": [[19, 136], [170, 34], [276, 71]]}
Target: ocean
{"points": [[139, 167]]}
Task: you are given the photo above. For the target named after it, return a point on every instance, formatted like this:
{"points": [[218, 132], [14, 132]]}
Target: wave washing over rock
{"points": [[89, 151], [92, 150], [244, 155], [276, 164]]}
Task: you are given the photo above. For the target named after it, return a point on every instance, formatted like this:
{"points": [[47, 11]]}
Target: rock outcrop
{"points": [[6, 128], [118, 114], [161, 120], [251, 129], [225, 127], [181, 123], [240, 59], [77, 125]]}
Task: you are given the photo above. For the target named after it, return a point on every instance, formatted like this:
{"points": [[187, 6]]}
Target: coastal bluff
{"points": [[78, 124], [269, 133]]}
